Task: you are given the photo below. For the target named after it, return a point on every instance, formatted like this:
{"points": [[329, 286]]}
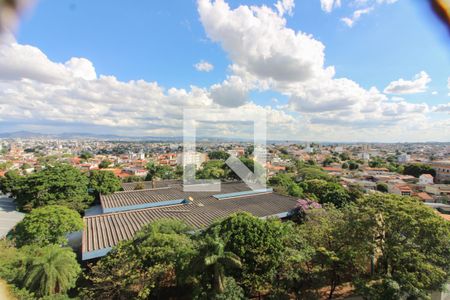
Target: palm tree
{"points": [[217, 258], [51, 270]]}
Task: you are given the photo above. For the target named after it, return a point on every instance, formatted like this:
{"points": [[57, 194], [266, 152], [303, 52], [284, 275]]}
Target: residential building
{"points": [[438, 189], [192, 158], [404, 158], [442, 169], [400, 189], [425, 179]]}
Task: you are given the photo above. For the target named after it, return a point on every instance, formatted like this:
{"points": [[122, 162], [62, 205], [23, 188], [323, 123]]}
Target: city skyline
{"points": [[106, 70]]}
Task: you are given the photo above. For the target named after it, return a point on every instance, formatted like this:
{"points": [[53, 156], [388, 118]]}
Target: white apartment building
{"points": [[191, 158]]}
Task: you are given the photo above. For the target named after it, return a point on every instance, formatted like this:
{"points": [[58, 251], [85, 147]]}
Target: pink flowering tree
{"points": [[302, 207]]}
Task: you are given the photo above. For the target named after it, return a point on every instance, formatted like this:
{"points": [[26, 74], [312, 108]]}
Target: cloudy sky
{"points": [[321, 70]]}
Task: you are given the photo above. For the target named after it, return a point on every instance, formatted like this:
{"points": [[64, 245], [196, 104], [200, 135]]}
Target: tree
{"points": [[285, 184], [329, 160], [216, 258], [252, 165], [341, 250], [50, 270], [104, 182], [104, 164], [11, 261], [55, 185], [133, 178], [418, 169], [352, 165], [86, 155], [47, 225], [309, 172], [11, 182], [157, 257], [344, 156], [222, 155], [214, 169], [258, 243], [326, 192], [159, 172], [382, 187], [355, 191], [412, 249]]}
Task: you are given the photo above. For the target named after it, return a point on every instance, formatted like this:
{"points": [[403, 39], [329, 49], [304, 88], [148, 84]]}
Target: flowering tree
{"points": [[302, 207]]}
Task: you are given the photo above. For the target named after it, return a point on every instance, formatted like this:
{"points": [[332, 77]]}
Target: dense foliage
{"points": [[218, 155], [47, 225], [159, 172], [218, 169], [60, 184], [104, 182], [38, 272], [412, 246], [418, 169]]}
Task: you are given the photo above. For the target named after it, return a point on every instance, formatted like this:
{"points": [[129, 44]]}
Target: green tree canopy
{"points": [[352, 165], [382, 187], [159, 172], [213, 169], [326, 192], [55, 185], [412, 250], [47, 225], [340, 250], [104, 182], [213, 260], [284, 184], [307, 172], [50, 270], [11, 182], [86, 155], [222, 155], [259, 245], [418, 169], [104, 164]]}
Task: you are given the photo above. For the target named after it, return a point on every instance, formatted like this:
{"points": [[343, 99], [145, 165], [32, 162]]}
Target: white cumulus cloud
{"points": [[204, 66], [418, 84]]}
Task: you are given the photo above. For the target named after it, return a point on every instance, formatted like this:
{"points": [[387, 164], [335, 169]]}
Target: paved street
{"points": [[9, 217]]}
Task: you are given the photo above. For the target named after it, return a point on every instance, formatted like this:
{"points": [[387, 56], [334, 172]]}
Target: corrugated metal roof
{"points": [[106, 230], [131, 186], [138, 197]]}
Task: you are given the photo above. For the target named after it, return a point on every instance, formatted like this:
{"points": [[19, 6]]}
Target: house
{"points": [[376, 171], [438, 189], [400, 189], [169, 159], [124, 213], [442, 169], [424, 197], [136, 171], [333, 170], [238, 152], [425, 179]]}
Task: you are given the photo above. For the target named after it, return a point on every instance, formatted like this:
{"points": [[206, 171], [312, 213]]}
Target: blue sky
{"points": [[161, 41]]}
